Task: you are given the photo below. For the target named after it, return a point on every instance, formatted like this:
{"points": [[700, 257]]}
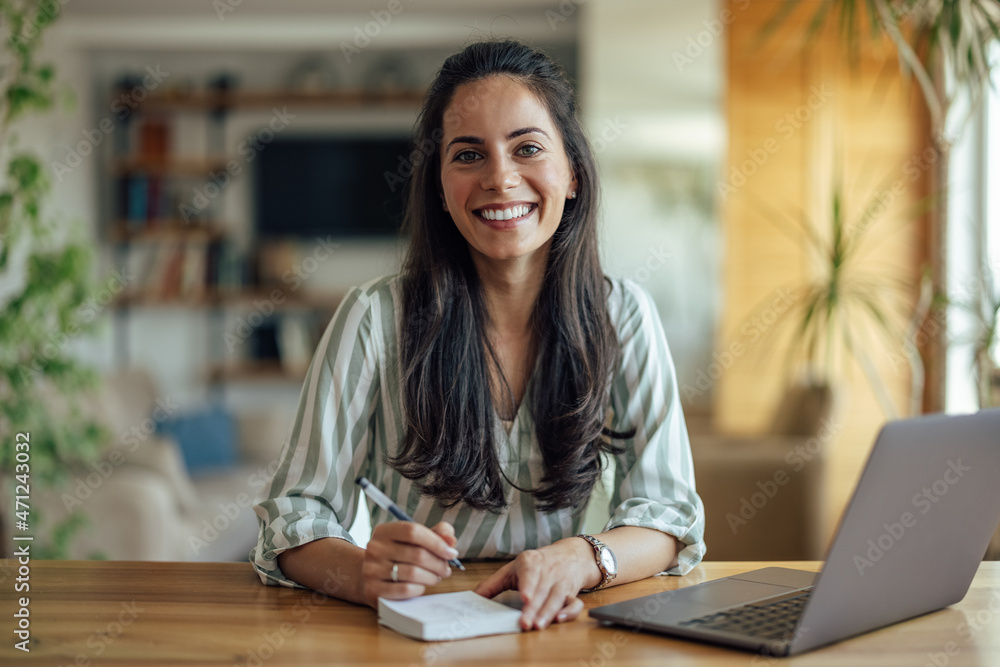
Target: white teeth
{"points": [[505, 214]]}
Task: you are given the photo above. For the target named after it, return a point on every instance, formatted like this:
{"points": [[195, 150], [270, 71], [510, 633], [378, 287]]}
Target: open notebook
{"points": [[448, 616]]}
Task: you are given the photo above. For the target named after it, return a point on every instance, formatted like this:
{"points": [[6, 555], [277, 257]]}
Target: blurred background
{"points": [[210, 178]]}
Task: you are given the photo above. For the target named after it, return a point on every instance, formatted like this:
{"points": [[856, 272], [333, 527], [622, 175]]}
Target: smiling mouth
{"points": [[511, 213]]}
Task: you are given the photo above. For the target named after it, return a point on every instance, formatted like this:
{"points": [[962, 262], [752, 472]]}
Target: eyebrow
{"points": [[468, 139]]}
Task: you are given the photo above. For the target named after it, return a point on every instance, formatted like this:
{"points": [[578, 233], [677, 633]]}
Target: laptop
{"points": [[909, 543]]}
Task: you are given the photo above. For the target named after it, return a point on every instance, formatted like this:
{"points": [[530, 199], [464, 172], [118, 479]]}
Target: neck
{"points": [[511, 288]]}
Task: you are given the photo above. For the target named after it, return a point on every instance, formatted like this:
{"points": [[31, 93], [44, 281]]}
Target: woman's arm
{"points": [[330, 565], [343, 570], [641, 553], [549, 578], [312, 498]]}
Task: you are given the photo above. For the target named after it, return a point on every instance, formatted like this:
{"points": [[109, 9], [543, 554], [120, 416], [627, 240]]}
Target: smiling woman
{"points": [[485, 388], [505, 175]]}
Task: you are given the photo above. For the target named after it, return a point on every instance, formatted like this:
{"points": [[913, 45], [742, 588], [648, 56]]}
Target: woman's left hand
{"points": [[548, 579]]}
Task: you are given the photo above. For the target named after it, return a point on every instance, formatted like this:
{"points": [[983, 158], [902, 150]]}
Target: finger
{"points": [[570, 611], [533, 593], [499, 581], [378, 582], [446, 531], [555, 602], [391, 591], [411, 574], [418, 557], [411, 533]]}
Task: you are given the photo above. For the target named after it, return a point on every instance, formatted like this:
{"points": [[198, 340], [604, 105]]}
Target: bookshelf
{"points": [[185, 254]]}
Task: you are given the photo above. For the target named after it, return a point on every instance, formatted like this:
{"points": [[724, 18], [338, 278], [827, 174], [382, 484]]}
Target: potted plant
{"points": [[945, 46], [45, 290], [833, 314]]}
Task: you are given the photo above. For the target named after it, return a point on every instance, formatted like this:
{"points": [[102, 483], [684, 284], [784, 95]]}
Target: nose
{"points": [[500, 173]]}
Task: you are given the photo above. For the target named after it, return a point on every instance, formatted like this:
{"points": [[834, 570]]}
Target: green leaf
{"points": [[36, 370]]}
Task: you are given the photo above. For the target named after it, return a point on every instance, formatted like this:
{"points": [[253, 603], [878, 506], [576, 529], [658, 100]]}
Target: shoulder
{"points": [[366, 312], [630, 307], [373, 297], [383, 288]]}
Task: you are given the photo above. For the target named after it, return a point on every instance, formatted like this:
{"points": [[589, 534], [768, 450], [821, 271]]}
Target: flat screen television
{"points": [[330, 186]]}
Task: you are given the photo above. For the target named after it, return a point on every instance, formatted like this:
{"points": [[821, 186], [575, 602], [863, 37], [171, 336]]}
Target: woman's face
{"points": [[505, 175]]}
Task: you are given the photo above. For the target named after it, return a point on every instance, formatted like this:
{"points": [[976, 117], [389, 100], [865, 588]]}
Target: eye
{"points": [[466, 156], [528, 150]]}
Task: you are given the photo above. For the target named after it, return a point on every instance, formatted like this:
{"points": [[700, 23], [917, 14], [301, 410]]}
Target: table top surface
{"points": [[86, 613]]}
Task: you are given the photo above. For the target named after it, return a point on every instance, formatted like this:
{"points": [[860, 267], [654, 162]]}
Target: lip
{"points": [[505, 224]]}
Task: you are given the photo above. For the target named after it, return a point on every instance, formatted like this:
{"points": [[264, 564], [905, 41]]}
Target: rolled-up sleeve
{"points": [[654, 484], [312, 494]]}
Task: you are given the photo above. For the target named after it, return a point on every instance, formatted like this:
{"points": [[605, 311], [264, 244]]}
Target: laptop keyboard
{"points": [[774, 620]]}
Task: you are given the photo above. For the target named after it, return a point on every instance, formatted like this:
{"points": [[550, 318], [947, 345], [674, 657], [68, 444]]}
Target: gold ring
{"points": [[395, 572]]}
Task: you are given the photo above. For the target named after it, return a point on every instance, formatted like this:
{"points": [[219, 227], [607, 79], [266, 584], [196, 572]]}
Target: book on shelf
{"points": [[165, 265], [137, 200], [172, 269], [194, 271], [139, 262], [231, 275], [448, 616], [154, 140]]}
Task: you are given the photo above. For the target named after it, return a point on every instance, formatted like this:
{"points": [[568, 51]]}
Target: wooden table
{"points": [[143, 613]]}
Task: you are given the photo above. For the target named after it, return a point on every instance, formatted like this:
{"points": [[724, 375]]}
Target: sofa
{"points": [[763, 494], [140, 501]]}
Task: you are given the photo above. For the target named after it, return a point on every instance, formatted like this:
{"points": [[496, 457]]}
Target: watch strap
{"points": [[607, 576]]}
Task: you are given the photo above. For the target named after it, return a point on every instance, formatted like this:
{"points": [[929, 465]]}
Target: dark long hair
{"points": [[448, 446]]}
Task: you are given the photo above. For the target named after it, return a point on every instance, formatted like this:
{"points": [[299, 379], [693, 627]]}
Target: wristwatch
{"points": [[606, 562]]}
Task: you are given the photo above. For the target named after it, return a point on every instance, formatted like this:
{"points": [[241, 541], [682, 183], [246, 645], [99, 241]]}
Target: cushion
{"points": [[207, 438]]}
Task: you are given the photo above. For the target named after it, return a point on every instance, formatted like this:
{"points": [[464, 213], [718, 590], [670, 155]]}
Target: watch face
{"points": [[608, 561]]}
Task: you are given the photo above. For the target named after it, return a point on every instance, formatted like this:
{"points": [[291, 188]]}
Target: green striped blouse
{"points": [[350, 416]]}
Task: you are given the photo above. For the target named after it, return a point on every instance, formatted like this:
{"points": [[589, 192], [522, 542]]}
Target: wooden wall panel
{"points": [[800, 98]]}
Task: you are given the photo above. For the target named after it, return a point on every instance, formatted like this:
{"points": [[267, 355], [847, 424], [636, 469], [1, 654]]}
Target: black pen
{"points": [[392, 508]]}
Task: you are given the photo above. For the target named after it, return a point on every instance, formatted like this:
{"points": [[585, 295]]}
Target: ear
{"points": [[571, 194], [444, 204]]}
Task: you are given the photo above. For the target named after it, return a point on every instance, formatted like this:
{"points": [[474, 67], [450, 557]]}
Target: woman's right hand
{"points": [[420, 554]]}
